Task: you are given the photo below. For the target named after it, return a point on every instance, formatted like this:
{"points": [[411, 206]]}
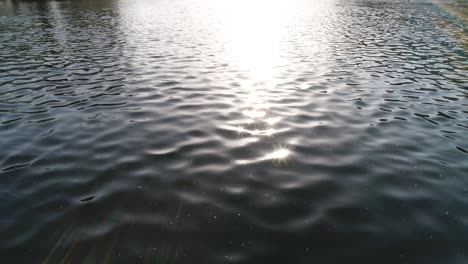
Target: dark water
{"points": [[203, 131]]}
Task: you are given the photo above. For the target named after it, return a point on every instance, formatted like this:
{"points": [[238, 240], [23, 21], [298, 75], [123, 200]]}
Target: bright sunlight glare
{"points": [[253, 30]]}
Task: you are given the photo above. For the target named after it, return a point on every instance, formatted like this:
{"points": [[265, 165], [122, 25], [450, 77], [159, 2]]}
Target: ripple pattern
{"points": [[233, 132]]}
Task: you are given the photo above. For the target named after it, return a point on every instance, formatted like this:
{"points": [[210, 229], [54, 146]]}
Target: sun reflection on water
{"points": [[254, 113], [253, 30], [278, 154], [254, 33]]}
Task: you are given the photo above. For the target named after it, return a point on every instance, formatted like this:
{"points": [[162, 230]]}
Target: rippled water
{"points": [[204, 131]]}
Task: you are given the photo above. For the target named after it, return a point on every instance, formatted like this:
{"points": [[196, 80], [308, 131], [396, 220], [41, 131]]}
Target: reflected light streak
{"points": [[241, 130], [254, 33], [254, 113], [278, 154], [272, 120]]}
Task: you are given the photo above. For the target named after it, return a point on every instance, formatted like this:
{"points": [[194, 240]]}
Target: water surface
{"points": [[203, 131]]}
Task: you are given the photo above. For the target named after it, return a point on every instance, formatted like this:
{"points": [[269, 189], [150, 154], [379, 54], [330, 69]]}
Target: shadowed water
{"points": [[204, 131]]}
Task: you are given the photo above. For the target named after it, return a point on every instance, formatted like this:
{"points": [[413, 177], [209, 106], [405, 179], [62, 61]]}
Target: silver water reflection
{"points": [[180, 131]]}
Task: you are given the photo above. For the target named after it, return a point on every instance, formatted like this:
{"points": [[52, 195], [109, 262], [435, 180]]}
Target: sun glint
{"points": [[278, 154]]}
